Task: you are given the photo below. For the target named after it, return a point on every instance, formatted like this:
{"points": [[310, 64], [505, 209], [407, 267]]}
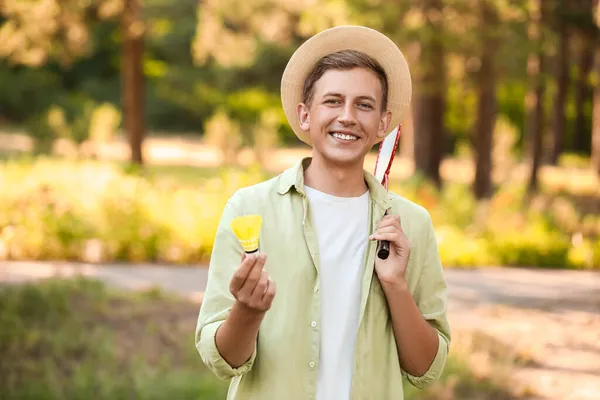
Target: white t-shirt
{"points": [[342, 232]]}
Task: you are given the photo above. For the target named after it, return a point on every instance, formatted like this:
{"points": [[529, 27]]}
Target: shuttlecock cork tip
{"points": [[247, 230]]}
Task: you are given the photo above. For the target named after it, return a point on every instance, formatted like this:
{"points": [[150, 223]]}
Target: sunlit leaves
{"points": [[37, 30], [230, 31]]}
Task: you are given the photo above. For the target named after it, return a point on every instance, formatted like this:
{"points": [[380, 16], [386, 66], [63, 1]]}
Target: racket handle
{"points": [[384, 249]]}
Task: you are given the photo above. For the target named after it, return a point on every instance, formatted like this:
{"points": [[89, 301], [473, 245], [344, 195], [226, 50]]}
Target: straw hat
{"points": [[359, 38]]}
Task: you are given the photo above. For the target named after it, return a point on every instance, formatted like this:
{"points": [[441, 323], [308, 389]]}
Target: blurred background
{"points": [[125, 125]]}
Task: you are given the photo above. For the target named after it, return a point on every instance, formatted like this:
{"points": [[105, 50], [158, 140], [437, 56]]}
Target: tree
{"points": [[132, 49], [583, 91], [35, 33], [534, 100], [486, 108], [587, 32], [596, 110], [562, 80], [231, 32], [596, 117], [429, 137]]}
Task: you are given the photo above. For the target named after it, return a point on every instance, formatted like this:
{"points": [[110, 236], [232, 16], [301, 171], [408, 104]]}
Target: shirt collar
{"points": [[294, 177]]}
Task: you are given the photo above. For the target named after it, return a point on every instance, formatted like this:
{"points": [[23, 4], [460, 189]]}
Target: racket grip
{"points": [[384, 249]]}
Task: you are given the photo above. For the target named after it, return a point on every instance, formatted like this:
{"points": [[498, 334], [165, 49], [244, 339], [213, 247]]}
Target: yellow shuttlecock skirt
{"points": [[247, 230]]}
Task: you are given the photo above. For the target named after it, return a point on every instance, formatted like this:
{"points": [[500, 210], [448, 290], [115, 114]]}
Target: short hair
{"points": [[345, 60]]}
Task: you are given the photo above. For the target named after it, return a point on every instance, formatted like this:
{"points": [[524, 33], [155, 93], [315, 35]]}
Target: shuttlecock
{"points": [[246, 229]]}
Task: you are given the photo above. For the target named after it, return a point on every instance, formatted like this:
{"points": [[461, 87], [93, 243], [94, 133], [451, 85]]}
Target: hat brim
{"points": [[366, 40]]}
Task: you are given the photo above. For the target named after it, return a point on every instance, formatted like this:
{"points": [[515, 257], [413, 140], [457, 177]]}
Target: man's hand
{"points": [[254, 293], [392, 270], [251, 285], [416, 340]]}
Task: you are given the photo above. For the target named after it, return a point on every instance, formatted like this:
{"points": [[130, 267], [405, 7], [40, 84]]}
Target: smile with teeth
{"points": [[343, 136]]}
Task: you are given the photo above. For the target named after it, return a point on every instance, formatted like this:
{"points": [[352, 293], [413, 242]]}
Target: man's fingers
{"points": [[385, 230], [269, 293], [261, 286], [389, 236], [398, 238], [254, 275], [242, 272], [390, 220]]}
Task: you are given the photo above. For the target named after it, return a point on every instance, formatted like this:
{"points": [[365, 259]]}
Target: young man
{"points": [[317, 315]]}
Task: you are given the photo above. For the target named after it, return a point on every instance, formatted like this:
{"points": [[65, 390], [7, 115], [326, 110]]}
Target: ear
{"points": [[384, 124], [303, 117]]}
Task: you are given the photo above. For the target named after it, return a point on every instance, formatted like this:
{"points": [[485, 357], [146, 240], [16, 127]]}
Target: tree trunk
{"points": [[535, 101], [583, 93], [422, 131], [596, 119], [132, 77], [407, 144], [595, 158], [486, 109], [562, 81], [429, 135]]}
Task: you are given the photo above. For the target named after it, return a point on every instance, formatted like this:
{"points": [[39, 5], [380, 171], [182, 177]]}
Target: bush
{"points": [[507, 229], [585, 254], [534, 246], [225, 134], [79, 121], [55, 210], [458, 249], [97, 212]]}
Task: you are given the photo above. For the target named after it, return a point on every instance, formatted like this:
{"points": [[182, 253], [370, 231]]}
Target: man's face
{"points": [[344, 119]]}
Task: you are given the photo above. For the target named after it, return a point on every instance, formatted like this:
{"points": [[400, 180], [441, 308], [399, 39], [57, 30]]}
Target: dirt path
{"points": [[549, 319]]}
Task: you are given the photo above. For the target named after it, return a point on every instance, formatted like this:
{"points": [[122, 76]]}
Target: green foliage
{"points": [[41, 129], [585, 255], [510, 103], [572, 160], [509, 229], [459, 249], [27, 92], [104, 123], [230, 56], [80, 120], [76, 339], [72, 339], [460, 118], [224, 134], [51, 209], [535, 245]]}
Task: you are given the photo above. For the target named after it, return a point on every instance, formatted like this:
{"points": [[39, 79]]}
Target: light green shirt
{"points": [[285, 362]]}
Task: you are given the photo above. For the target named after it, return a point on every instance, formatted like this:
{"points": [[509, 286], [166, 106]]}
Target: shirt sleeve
{"points": [[218, 300], [431, 297]]}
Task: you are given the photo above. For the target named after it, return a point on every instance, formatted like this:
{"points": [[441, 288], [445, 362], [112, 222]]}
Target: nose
{"points": [[347, 116]]}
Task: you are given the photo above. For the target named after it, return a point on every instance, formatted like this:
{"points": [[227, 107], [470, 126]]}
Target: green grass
{"points": [[189, 176], [467, 377], [76, 339]]}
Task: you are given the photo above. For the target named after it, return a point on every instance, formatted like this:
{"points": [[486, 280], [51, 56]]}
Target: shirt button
{"points": [[311, 364], [313, 324], [316, 289]]}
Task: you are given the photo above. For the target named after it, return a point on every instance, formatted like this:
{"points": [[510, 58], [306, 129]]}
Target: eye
{"points": [[366, 105], [332, 101]]}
